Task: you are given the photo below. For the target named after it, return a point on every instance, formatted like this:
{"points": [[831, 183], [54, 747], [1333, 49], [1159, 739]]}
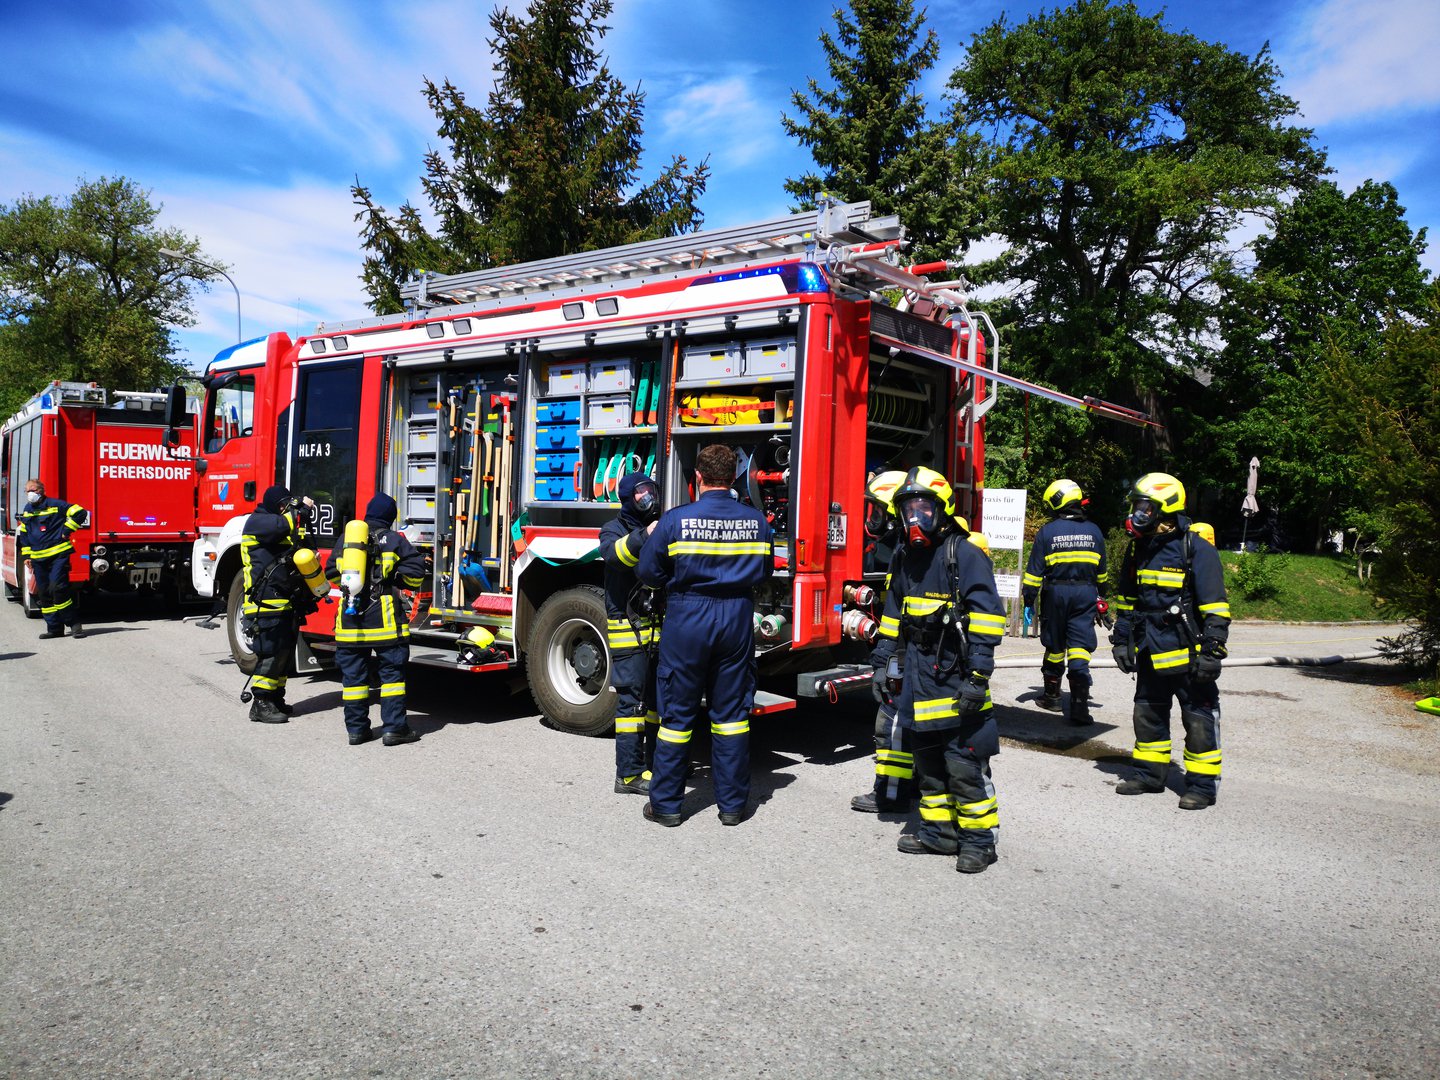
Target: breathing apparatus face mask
{"points": [[1144, 514], [921, 519], [877, 520], [646, 502]]}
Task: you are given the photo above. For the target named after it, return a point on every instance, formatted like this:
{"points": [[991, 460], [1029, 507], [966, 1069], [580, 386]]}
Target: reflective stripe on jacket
{"points": [[44, 529], [1154, 598]]}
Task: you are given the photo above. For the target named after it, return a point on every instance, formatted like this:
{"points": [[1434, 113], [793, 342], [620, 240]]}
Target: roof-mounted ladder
{"points": [[766, 241]]}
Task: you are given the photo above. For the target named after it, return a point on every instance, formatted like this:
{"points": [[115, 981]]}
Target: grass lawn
{"points": [[1308, 588]]}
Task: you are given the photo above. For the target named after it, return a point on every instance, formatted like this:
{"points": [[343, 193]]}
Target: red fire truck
{"points": [[104, 450], [502, 408]]}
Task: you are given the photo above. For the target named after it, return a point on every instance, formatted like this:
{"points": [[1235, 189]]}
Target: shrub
{"points": [[1258, 574]]}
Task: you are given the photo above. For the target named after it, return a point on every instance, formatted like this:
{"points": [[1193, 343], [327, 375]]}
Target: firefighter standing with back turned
{"points": [[943, 619], [43, 541], [894, 789], [372, 618], [709, 555], [267, 545], [1067, 558], [632, 632], [1172, 623]]}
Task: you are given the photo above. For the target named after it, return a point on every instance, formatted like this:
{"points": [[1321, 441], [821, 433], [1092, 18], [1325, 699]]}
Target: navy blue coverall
{"points": [[1067, 559], [379, 624], [43, 537], [709, 555], [1170, 603], [952, 750], [631, 672], [271, 586]]}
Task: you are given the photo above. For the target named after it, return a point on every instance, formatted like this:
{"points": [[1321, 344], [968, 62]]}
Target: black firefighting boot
{"points": [[1080, 701], [1050, 698], [264, 711], [974, 860]]}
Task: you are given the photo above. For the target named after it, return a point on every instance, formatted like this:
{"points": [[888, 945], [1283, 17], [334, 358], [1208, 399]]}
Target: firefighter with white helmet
{"points": [[1171, 626], [1065, 570], [943, 619]]}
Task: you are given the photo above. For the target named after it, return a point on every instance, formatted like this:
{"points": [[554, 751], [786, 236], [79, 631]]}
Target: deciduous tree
{"points": [[85, 293]]}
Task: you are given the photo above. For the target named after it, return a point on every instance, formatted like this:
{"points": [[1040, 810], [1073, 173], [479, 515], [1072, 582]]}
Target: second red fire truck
{"points": [[501, 409]]}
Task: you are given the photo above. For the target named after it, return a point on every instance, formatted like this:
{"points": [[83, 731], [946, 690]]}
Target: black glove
{"points": [[880, 687], [973, 693], [1122, 659], [1207, 668]]}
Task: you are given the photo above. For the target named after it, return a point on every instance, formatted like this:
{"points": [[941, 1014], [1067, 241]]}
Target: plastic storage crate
{"points": [[610, 376], [568, 378], [609, 411], [711, 362], [770, 357], [561, 411]]}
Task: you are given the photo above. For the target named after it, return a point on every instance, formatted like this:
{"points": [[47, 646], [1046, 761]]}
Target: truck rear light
{"points": [[209, 556]]}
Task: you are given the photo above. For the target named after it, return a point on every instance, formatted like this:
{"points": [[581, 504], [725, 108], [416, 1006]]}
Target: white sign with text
{"points": [[1004, 517]]}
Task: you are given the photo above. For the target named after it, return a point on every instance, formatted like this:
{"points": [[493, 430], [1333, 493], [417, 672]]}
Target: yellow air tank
{"points": [[309, 567], [353, 557]]}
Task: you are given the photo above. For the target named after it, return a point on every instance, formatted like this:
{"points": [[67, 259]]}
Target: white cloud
{"points": [[725, 116], [1353, 58]]}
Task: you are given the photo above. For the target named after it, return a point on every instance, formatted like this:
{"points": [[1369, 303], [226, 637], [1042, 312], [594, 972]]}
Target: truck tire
{"points": [[245, 660], [568, 663]]}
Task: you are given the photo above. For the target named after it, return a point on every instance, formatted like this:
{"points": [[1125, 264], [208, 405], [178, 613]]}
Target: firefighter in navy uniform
{"points": [[42, 538], [378, 623], [1067, 561], [894, 789], [708, 555], [1172, 623], [272, 586], [943, 619], [632, 632]]}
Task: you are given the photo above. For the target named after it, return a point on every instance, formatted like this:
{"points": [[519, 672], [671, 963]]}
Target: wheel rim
{"points": [[576, 662]]}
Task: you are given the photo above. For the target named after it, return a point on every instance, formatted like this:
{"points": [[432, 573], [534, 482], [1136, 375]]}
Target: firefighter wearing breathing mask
{"points": [[894, 788], [1172, 621], [371, 618], [272, 589], [633, 629], [943, 619]]}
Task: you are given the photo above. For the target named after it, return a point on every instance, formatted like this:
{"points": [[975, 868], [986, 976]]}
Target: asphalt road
{"points": [[190, 894]]}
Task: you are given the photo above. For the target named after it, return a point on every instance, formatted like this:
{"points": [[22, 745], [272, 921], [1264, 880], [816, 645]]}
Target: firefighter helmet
{"points": [[923, 503], [1155, 495], [879, 511], [1063, 493]]}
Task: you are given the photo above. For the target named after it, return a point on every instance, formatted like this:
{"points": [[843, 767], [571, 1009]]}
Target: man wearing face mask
{"points": [[943, 619], [633, 630], [1172, 623], [43, 540]]}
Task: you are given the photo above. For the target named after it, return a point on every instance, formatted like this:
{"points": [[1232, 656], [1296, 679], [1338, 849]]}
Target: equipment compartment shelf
{"points": [[717, 431], [735, 380], [648, 429]]}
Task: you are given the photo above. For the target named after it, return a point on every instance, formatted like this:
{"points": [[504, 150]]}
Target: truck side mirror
{"points": [[174, 415]]}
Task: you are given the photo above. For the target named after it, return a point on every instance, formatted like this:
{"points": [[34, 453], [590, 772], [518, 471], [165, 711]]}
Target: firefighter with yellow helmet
{"points": [[1172, 623], [1065, 570], [894, 788], [942, 621]]}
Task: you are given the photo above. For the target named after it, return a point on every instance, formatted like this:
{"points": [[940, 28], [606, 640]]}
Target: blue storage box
{"points": [[557, 437], [555, 489], [559, 411], [560, 461]]}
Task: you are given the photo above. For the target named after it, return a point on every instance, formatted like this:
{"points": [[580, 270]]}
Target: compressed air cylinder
{"points": [[353, 557], [309, 567]]}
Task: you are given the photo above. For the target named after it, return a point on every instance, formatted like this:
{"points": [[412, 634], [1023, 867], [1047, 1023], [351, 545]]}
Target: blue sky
{"points": [[249, 121]]}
